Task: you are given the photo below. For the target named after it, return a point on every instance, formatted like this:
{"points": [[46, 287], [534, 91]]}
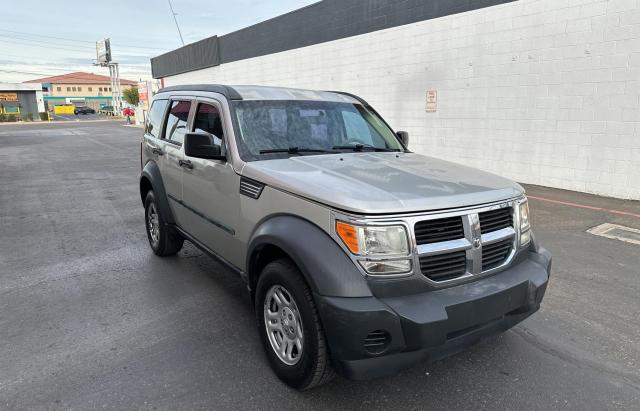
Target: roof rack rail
{"points": [[227, 91], [344, 93]]}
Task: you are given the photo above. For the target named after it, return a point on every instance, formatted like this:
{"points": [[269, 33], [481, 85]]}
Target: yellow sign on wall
{"points": [[8, 96]]}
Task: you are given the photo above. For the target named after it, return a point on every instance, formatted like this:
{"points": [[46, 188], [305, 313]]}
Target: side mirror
{"points": [[403, 136], [200, 145]]}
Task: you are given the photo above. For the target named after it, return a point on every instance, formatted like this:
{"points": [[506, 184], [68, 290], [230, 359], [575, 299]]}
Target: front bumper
{"points": [[432, 325]]}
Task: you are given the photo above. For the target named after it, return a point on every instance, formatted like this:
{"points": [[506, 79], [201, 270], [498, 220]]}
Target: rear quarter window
{"points": [[154, 120]]}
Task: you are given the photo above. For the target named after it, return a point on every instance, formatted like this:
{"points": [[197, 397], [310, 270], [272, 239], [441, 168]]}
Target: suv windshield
{"points": [[276, 129]]}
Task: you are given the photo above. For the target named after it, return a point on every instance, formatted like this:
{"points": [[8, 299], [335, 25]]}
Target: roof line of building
{"points": [[79, 77], [316, 23]]}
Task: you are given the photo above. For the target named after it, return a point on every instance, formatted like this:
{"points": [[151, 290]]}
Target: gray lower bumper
{"points": [[432, 325]]}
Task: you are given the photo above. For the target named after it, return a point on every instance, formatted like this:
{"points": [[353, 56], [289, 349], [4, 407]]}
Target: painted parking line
{"points": [[586, 207], [617, 232]]}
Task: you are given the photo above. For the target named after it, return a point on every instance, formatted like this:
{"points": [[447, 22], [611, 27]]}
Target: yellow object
{"points": [[347, 233], [66, 109]]}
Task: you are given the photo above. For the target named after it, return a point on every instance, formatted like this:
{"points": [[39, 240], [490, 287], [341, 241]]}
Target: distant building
{"points": [[20, 101], [79, 88]]}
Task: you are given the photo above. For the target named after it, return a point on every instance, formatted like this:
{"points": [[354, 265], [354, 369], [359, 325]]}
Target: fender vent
{"points": [[250, 188], [377, 342]]}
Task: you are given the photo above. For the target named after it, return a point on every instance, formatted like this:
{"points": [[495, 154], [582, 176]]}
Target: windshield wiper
{"points": [[296, 150], [363, 147]]}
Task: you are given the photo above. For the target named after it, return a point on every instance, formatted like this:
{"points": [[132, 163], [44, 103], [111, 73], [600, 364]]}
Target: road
{"points": [[90, 318], [80, 117]]}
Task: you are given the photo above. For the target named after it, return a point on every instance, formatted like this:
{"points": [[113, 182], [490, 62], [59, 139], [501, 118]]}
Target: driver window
{"points": [[208, 120]]}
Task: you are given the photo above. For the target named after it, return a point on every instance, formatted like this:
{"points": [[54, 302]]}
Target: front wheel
{"points": [[162, 239], [290, 328]]}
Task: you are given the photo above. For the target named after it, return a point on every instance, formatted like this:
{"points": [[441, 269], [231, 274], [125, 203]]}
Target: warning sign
{"points": [[432, 101]]}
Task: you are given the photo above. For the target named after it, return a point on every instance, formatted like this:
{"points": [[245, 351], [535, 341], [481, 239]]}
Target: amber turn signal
{"points": [[347, 233]]}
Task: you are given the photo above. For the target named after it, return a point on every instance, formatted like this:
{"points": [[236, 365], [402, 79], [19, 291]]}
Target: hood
{"points": [[382, 183]]}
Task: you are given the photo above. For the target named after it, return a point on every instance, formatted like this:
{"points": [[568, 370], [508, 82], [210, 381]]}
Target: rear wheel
{"points": [[290, 328], [163, 240]]}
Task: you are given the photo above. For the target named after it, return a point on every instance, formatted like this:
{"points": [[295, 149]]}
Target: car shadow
{"points": [[492, 362]]}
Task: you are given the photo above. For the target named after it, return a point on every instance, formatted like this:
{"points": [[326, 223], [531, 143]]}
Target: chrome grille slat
{"points": [[448, 247]]}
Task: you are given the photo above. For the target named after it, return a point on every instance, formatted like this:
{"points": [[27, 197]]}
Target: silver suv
{"points": [[361, 257]]}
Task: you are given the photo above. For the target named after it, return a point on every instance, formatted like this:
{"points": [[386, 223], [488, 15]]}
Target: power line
{"points": [[47, 42], [11, 60], [48, 68], [81, 41], [15, 41], [52, 44], [66, 48]]}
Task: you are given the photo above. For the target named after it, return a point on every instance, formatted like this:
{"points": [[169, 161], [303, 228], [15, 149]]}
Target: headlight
{"points": [[377, 243], [374, 240], [525, 224], [524, 216]]}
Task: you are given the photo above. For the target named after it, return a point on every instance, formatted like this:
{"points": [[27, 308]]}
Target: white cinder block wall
{"points": [[542, 91]]}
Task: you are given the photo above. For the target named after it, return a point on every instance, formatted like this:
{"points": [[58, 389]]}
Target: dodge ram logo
{"points": [[476, 243]]}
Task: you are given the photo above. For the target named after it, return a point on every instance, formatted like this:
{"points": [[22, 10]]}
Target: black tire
{"points": [[314, 365], [166, 242]]}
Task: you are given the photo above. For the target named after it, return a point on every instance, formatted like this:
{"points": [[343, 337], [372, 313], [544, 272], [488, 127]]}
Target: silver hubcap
{"points": [[154, 224], [283, 325]]}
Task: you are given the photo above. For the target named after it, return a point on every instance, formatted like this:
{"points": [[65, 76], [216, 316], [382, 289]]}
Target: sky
{"points": [[39, 38]]}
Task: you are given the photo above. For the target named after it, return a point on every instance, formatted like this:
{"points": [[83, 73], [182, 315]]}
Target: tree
{"points": [[131, 96]]}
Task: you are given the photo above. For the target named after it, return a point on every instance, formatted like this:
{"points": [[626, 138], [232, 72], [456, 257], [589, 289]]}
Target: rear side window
{"points": [[154, 120], [177, 121]]}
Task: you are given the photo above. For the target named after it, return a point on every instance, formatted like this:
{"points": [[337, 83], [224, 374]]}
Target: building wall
{"points": [[542, 91], [82, 90], [29, 98], [28, 103]]}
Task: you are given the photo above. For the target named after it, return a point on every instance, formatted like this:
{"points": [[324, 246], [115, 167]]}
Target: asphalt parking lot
{"points": [[81, 117], [90, 318]]}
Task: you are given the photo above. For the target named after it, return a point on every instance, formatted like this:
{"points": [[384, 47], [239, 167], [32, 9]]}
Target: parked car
{"points": [[361, 257], [106, 110], [83, 110]]}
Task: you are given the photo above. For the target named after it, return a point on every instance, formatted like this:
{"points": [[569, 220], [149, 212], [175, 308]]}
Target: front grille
{"points": [[444, 267], [435, 231], [494, 255], [495, 220]]}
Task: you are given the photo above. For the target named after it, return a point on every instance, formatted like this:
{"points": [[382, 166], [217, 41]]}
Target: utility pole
{"points": [[173, 13]]}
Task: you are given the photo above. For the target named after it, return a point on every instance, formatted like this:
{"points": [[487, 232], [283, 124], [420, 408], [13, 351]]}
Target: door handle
{"points": [[157, 151], [186, 164]]}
